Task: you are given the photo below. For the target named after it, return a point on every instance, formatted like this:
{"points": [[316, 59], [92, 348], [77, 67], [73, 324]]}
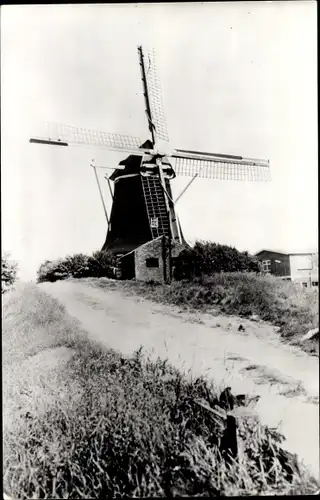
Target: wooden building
{"points": [[301, 268]]}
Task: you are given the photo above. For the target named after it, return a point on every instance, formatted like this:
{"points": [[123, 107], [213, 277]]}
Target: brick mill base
{"points": [[151, 261]]}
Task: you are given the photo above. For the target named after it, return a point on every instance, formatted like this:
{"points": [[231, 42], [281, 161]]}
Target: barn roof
{"points": [[307, 252], [271, 251]]}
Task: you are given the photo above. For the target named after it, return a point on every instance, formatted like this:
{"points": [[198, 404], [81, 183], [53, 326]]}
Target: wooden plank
{"points": [[48, 141]]}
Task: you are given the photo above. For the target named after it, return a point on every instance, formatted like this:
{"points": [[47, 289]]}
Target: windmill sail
{"points": [[218, 166], [153, 94], [66, 135]]}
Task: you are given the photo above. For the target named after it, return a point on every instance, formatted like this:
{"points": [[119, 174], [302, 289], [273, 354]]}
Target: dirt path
{"points": [[253, 361]]}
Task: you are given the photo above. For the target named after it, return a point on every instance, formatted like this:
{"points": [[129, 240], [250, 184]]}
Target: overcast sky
{"points": [[237, 78]]}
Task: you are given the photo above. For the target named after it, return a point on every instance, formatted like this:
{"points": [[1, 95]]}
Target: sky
{"points": [[237, 78]]}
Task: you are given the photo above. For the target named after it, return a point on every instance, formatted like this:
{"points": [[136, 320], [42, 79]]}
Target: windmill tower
{"points": [[143, 219]]}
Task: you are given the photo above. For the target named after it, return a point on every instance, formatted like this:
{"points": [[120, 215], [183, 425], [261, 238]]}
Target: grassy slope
{"points": [[294, 310], [33, 322], [119, 426]]}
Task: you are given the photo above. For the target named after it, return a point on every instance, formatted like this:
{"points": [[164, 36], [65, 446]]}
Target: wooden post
{"points": [[227, 422], [164, 258], [229, 442]]}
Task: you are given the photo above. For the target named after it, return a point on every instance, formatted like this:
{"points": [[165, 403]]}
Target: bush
{"points": [[100, 264], [103, 264], [209, 258], [9, 271]]}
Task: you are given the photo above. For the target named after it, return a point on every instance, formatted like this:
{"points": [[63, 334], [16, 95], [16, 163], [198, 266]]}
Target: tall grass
{"points": [[128, 426], [32, 321], [133, 431]]}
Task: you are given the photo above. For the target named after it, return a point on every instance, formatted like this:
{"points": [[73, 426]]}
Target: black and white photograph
{"points": [[159, 250]]}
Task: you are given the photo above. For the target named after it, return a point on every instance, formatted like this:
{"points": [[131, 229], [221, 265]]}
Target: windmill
{"points": [[143, 208]]}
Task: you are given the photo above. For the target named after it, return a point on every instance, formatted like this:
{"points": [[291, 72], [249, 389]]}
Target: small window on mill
{"points": [[152, 262]]}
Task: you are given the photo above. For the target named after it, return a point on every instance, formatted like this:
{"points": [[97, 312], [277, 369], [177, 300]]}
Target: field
{"points": [[293, 310], [83, 421]]}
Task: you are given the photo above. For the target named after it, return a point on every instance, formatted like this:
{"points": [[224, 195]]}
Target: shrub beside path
{"points": [[252, 361]]}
